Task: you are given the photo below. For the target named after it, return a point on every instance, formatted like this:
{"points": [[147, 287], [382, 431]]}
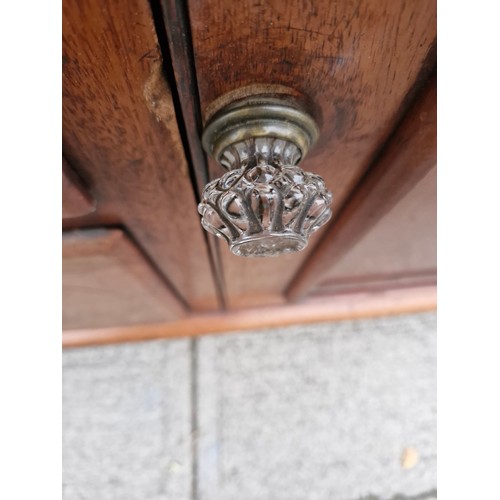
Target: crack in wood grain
{"points": [[158, 97]]}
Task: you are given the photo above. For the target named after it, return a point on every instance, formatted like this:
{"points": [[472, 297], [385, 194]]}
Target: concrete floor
{"points": [[339, 411]]}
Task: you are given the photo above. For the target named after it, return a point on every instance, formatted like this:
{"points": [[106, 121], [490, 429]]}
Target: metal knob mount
{"points": [[265, 205]]}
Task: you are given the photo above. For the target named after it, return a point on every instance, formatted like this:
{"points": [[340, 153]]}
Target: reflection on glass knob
{"points": [[265, 205]]}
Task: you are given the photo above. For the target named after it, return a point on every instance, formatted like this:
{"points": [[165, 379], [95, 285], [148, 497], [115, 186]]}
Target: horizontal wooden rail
{"points": [[335, 308]]}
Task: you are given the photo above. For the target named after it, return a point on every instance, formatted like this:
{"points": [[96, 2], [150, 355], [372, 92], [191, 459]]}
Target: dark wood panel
{"points": [[341, 307], [107, 282], [355, 62], [120, 133], [407, 159], [76, 201]]}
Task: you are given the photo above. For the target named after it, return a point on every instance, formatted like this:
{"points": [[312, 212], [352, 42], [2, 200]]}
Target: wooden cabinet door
{"points": [[140, 80], [358, 64], [121, 134]]}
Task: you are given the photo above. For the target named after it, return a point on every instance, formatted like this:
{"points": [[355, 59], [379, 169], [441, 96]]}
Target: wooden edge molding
{"points": [[315, 310], [76, 200], [177, 30]]}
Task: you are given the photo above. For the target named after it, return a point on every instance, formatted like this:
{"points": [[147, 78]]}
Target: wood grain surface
{"points": [[409, 156], [356, 63], [76, 200], [107, 282], [120, 133]]}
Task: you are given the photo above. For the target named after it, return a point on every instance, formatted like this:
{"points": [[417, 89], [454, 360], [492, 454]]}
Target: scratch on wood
{"points": [[150, 54]]}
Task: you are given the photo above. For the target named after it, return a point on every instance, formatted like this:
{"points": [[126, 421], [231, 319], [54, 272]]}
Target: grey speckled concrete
{"points": [[302, 413], [127, 422], [320, 412]]}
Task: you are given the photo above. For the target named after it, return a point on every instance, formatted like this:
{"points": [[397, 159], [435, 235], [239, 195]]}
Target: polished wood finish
{"points": [[120, 133], [76, 201], [342, 307], [407, 159], [107, 282], [355, 63]]}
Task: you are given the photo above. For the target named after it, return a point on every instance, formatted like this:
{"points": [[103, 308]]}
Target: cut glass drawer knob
{"points": [[266, 205]]}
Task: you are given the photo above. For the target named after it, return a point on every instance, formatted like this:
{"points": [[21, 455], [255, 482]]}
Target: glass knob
{"points": [[266, 205]]}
